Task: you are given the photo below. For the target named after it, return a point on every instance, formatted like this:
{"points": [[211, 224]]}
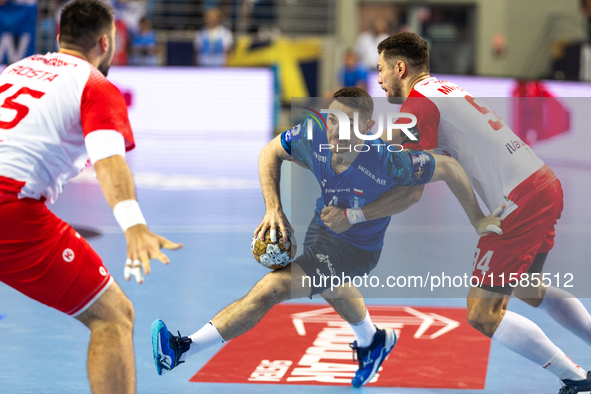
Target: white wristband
{"points": [[355, 215], [128, 214]]}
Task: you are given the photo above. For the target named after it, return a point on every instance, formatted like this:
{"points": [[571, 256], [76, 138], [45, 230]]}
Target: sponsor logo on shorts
{"points": [[68, 255], [323, 258], [103, 271]]}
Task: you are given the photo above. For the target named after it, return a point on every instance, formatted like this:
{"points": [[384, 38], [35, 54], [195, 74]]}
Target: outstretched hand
{"points": [[142, 246]]}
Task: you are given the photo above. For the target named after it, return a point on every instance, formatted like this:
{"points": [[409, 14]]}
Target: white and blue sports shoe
{"points": [[371, 358], [167, 348]]}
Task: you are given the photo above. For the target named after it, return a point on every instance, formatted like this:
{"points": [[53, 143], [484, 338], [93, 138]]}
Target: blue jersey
{"points": [[373, 172]]}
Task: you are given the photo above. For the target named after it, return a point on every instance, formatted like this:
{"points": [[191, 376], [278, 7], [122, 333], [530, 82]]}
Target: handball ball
{"points": [[273, 255]]}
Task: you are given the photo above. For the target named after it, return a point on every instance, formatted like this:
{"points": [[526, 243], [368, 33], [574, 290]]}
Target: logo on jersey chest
{"points": [[331, 190], [372, 176]]}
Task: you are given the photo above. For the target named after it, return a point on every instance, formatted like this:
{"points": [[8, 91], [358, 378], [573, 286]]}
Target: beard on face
{"points": [[103, 67], [395, 93]]}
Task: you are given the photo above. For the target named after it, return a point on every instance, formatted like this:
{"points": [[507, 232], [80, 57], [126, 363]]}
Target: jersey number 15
{"points": [[21, 110]]}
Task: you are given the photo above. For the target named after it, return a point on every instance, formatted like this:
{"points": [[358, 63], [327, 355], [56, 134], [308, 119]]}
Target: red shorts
{"points": [[46, 259], [527, 231]]}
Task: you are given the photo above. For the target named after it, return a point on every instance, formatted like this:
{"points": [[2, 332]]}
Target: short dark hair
{"points": [[409, 47], [355, 97], [82, 22]]}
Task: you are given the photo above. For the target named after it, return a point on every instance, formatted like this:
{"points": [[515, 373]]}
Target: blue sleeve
{"points": [[296, 143], [410, 168]]}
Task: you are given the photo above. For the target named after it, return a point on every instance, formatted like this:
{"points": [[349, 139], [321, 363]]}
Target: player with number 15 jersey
{"points": [[57, 113]]}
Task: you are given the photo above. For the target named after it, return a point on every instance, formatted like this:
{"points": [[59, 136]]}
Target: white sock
{"points": [[364, 331], [562, 366], [206, 337], [524, 337], [568, 311]]}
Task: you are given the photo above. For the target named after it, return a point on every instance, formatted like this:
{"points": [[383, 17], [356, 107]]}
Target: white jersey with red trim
{"points": [[453, 123], [48, 105]]}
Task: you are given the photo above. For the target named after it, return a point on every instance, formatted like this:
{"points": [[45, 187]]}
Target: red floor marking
{"points": [[309, 344]]}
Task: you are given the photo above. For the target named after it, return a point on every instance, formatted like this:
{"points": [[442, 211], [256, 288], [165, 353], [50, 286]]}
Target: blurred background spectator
{"points": [[213, 42], [143, 46], [368, 41], [353, 72]]}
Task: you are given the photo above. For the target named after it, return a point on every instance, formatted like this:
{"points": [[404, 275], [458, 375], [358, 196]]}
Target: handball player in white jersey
{"points": [[505, 172], [57, 112]]}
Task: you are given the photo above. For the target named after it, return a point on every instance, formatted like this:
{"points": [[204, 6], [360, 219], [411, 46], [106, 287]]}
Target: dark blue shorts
{"points": [[326, 255]]}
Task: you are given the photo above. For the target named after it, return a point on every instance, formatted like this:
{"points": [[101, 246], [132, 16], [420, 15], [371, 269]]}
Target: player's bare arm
{"points": [[451, 172], [270, 160], [390, 203], [117, 185]]}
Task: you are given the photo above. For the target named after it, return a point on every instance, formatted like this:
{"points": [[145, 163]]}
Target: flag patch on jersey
{"points": [[358, 191]]}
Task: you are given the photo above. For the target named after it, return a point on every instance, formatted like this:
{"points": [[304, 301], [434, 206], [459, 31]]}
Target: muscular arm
{"points": [[399, 199], [451, 172], [270, 160], [393, 202], [388, 204], [115, 179], [117, 185]]}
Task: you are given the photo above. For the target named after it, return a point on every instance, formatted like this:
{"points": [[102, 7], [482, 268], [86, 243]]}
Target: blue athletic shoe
{"points": [[167, 348], [371, 358], [576, 386]]}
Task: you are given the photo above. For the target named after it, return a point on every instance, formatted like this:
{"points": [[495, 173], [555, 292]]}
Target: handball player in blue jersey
{"points": [[342, 173]]}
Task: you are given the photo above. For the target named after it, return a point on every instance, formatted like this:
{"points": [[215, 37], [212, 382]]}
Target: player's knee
{"points": [[127, 313], [484, 321], [113, 308], [122, 314], [272, 289], [532, 296]]}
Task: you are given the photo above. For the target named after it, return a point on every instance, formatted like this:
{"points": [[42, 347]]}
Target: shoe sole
{"points": [[157, 325], [390, 342]]}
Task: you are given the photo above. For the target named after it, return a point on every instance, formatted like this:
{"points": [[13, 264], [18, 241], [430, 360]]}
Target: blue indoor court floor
{"points": [[212, 207]]}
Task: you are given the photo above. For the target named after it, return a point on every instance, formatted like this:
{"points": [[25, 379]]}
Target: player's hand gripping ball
{"points": [[273, 255]]}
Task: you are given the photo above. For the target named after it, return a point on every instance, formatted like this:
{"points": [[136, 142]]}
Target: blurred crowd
{"points": [[208, 33], [215, 22]]}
